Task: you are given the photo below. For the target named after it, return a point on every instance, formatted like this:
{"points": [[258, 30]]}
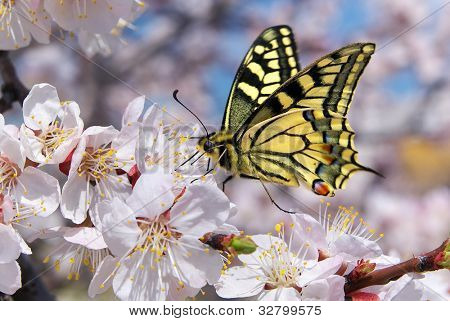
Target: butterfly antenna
{"points": [[178, 101]]}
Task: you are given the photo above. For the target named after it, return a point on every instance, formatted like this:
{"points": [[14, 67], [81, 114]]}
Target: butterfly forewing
{"points": [[328, 83], [270, 61]]}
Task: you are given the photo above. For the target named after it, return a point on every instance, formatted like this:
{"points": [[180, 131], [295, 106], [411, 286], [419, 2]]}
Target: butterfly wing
{"points": [[270, 61], [329, 83], [300, 134]]}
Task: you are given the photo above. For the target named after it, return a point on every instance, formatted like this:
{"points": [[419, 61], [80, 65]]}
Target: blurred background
{"points": [[400, 112]]}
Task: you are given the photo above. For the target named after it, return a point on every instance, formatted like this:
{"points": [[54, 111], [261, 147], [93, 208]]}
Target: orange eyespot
{"points": [[321, 188]]}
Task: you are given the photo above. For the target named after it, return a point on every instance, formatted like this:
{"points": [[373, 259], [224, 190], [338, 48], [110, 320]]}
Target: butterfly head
{"points": [[209, 145]]}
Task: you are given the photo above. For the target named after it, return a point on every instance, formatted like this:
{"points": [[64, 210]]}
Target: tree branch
{"points": [[12, 88], [425, 263]]}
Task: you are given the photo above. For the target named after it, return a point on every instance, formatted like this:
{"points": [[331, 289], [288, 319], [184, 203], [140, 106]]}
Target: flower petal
{"points": [[120, 229], [352, 247], [41, 106], [75, 199], [280, 294], [239, 282], [9, 245], [197, 267], [133, 111], [310, 230], [42, 191], [11, 279], [321, 270], [329, 289], [89, 237], [101, 281], [152, 195], [201, 209]]}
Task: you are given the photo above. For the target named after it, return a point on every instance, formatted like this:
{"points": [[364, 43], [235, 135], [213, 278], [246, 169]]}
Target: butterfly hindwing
{"points": [[270, 61], [310, 146]]}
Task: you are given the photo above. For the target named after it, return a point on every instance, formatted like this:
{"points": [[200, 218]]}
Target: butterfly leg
{"points": [[273, 201], [229, 178]]}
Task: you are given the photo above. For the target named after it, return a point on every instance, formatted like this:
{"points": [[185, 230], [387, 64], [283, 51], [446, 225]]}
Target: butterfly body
{"points": [[287, 126]]}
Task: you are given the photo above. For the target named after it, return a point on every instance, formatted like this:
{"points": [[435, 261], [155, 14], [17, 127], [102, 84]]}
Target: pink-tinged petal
{"points": [[328, 289], [198, 267], [280, 294], [89, 237], [151, 285], [239, 282], [12, 130], [310, 230], [321, 270], [42, 191], [9, 245], [101, 280], [133, 111], [7, 210], [152, 195], [98, 135], [200, 210], [11, 149], [41, 106], [353, 248], [10, 280], [75, 199], [120, 229], [2, 122]]}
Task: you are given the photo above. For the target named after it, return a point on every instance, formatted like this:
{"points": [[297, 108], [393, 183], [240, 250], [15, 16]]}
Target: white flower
{"points": [[344, 234], [164, 144], [20, 20], [10, 249], [52, 128], [33, 192], [99, 16], [281, 271], [155, 238], [105, 43], [80, 246], [94, 172]]}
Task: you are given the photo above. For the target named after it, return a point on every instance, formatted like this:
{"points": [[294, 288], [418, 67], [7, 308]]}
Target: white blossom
{"points": [[154, 237], [283, 271], [21, 20], [52, 128], [94, 172]]}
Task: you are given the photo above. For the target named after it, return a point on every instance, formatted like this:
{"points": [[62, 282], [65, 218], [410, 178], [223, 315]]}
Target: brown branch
{"points": [[424, 263], [12, 88]]}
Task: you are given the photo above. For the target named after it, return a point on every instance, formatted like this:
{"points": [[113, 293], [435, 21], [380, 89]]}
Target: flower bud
{"points": [[242, 245]]}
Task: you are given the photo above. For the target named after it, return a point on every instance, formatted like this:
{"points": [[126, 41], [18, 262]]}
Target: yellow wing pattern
{"points": [[270, 61], [300, 134]]}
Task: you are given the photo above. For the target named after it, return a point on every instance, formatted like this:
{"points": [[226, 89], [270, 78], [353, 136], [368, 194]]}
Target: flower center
{"points": [[346, 221], [280, 266], [155, 237], [8, 174], [54, 137], [99, 163]]}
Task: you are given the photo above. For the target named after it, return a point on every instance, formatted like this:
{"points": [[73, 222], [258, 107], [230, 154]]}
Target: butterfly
{"points": [[287, 125]]}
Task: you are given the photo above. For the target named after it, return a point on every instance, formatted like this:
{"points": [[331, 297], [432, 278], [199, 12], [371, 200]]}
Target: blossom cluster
{"points": [[97, 23], [141, 210]]}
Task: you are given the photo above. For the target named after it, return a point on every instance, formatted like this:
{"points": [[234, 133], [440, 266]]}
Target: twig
{"points": [[12, 88], [424, 263]]}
